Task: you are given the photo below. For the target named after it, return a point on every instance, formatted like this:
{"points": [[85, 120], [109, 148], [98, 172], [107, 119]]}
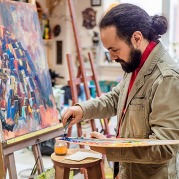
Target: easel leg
{"points": [[11, 166], [2, 160], [37, 154], [5, 166], [69, 131], [102, 169], [93, 126], [106, 126], [79, 131]]}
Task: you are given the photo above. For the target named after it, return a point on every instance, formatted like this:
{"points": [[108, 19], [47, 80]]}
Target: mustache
{"points": [[119, 60]]}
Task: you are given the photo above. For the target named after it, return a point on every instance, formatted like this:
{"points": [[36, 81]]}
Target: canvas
{"points": [[26, 97]]}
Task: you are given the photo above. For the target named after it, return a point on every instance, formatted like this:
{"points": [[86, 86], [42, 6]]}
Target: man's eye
{"points": [[115, 50]]}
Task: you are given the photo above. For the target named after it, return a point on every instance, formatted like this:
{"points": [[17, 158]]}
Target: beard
{"points": [[133, 62]]}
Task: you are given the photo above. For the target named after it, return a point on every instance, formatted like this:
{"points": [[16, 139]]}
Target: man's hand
{"points": [[98, 135], [75, 112]]}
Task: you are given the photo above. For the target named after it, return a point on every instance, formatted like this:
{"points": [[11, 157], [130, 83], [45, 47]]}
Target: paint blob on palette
{"points": [[118, 142]]}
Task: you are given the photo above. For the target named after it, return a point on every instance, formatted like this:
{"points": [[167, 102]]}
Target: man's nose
{"points": [[113, 56]]}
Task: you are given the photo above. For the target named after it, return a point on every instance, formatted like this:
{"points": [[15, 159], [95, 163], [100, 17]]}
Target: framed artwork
{"points": [[95, 2], [89, 18]]}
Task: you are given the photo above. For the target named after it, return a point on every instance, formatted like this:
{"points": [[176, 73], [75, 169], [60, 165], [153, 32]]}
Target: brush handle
{"points": [[67, 124]]}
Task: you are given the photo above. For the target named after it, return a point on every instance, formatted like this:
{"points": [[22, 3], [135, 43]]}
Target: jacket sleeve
{"points": [[103, 106], [164, 125]]}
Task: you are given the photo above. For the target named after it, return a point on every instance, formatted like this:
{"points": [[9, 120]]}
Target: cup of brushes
{"points": [[61, 146]]}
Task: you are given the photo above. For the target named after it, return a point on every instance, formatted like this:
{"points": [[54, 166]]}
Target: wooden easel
{"points": [[81, 76], [74, 83], [21, 93], [7, 149]]}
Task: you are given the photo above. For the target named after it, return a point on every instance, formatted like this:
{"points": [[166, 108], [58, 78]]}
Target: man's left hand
{"points": [[98, 135]]}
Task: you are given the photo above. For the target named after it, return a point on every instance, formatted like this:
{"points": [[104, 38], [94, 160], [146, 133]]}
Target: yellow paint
{"points": [[10, 47], [20, 51], [29, 109]]}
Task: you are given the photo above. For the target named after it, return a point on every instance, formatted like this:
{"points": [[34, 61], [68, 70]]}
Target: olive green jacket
{"points": [[152, 111]]}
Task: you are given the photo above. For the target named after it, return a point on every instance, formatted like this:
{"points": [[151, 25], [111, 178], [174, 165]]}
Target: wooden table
{"points": [[92, 165]]}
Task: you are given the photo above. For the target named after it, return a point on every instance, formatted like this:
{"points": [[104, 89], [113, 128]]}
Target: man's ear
{"points": [[136, 38]]}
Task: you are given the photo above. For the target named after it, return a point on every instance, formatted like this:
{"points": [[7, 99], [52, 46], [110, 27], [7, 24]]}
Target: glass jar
{"points": [[60, 147]]}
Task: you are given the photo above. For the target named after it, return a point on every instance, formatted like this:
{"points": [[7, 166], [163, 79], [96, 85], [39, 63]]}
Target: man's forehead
{"points": [[109, 32]]}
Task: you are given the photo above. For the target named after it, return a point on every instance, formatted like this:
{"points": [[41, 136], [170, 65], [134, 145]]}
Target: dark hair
{"points": [[128, 18]]}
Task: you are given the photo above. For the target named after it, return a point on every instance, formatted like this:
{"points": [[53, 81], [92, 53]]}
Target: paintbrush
{"points": [[66, 126], [35, 167]]}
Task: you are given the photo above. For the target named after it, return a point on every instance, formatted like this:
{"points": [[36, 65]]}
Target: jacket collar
{"points": [[146, 69]]}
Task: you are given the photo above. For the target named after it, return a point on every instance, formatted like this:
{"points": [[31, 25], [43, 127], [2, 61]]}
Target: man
{"points": [[146, 102]]}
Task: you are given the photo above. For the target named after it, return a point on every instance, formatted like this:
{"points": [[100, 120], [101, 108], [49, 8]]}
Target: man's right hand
{"points": [[75, 112]]}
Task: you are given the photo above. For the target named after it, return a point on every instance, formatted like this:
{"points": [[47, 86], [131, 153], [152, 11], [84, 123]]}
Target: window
{"points": [[151, 6], [168, 8]]}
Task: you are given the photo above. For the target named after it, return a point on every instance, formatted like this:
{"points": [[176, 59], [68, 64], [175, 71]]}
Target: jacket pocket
{"points": [[137, 118]]}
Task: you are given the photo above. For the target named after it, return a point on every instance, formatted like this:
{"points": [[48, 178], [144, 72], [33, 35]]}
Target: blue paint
{"points": [[31, 83], [11, 64], [31, 102], [12, 112], [9, 104], [16, 106]]}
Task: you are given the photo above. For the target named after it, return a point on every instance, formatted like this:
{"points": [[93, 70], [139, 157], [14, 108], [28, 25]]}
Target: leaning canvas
{"points": [[26, 97]]}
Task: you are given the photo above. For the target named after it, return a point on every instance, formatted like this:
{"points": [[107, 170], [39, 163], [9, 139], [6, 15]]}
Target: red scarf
{"points": [[144, 57]]}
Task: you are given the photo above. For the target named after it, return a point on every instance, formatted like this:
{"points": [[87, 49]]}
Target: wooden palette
{"points": [[117, 142]]}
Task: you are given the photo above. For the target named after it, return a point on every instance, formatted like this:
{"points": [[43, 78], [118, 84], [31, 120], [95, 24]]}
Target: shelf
{"points": [[47, 42]]}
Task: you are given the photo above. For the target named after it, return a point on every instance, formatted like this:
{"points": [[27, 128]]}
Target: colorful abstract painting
{"points": [[26, 97]]}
